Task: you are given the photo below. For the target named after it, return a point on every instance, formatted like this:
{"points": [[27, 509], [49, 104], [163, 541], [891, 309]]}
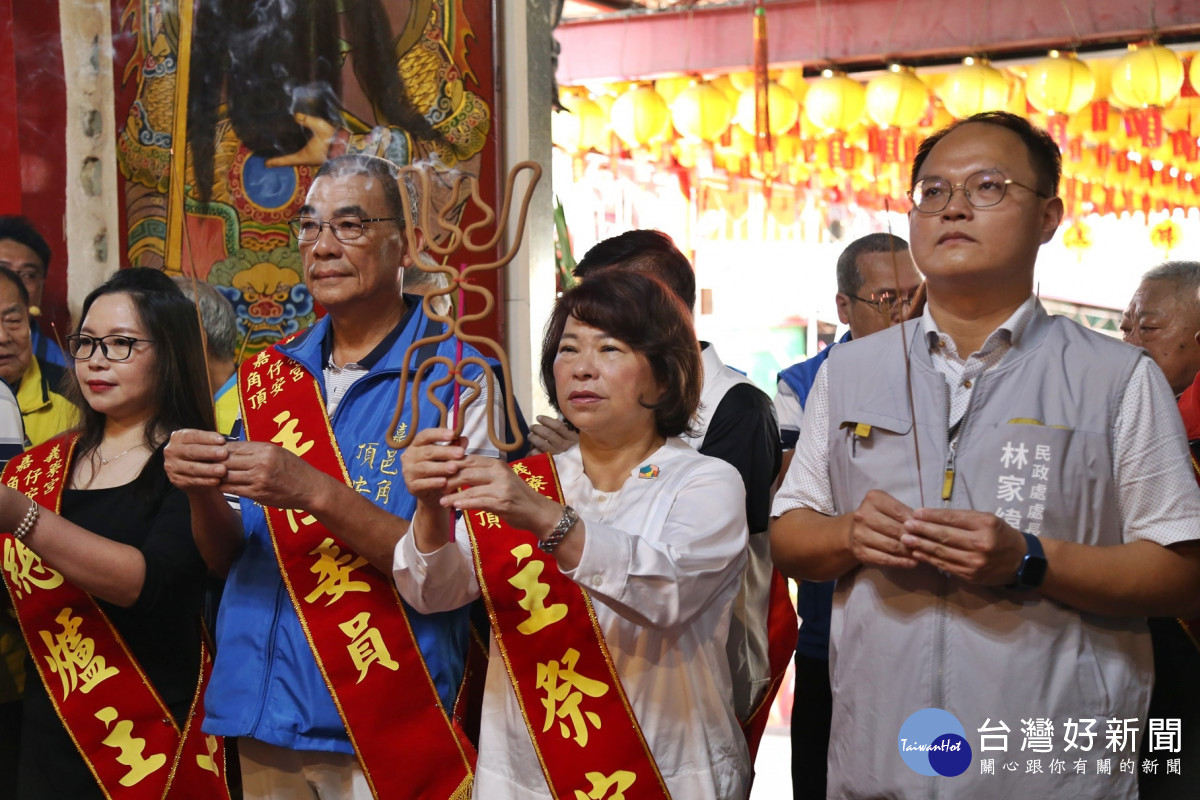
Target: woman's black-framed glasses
{"points": [[115, 347], [983, 189], [345, 227]]}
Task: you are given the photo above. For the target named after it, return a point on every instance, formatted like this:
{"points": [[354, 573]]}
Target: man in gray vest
{"points": [[1001, 506]]}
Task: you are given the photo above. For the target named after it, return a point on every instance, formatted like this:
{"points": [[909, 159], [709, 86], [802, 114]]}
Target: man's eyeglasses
{"points": [[345, 228], [114, 346], [983, 190], [884, 302]]}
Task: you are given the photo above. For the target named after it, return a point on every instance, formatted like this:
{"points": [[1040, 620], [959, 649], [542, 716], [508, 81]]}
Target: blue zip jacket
{"points": [[265, 682]]}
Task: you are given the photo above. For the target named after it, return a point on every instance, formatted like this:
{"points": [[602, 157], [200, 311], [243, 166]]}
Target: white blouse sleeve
{"points": [[439, 581], [664, 577]]}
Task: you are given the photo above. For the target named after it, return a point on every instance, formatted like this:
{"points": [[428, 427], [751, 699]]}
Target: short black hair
{"points": [[644, 250], [849, 277], [21, 230], [645, 314], [1043, 151]]}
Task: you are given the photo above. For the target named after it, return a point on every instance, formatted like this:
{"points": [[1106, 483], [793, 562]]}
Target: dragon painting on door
{"points": [[262, 92]]}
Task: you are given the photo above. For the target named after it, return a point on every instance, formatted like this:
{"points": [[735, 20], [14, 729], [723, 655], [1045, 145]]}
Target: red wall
{"points": [[32, 134]]}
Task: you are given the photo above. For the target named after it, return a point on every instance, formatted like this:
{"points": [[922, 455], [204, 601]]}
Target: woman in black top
{"points": [[124, 534]]}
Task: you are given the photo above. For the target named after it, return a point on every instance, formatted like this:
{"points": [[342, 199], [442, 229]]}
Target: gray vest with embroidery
{"points": [[1034, 447]]}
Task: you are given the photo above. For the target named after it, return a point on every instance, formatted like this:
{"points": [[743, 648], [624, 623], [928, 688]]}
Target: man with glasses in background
{"points": [[876, 281], [25, 252], [320, 485], [37, 384], [996, 556]]}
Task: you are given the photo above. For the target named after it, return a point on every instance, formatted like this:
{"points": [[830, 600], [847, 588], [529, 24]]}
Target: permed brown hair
{"points": [[643, 313]]}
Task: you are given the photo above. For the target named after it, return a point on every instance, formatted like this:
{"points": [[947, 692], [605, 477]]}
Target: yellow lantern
{"points": [[834, 101], [701, 112], [1150, 75], [974, 87], [792, 79], [897, 99], [1183, 115], [670, 88], [782, 109], [1194, 72], [641, 117], [742, 79], [1059, 84], [582, 126]]}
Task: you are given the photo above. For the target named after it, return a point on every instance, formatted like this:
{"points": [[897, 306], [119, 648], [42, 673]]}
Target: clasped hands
{"points": [[267, 473], [976, 546], [440, 474]]}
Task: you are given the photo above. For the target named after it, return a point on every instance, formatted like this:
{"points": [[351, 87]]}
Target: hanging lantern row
{"points": [[836, 131]]}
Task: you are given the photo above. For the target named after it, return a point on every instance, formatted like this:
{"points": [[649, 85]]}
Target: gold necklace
{"points": [[104, 461]]}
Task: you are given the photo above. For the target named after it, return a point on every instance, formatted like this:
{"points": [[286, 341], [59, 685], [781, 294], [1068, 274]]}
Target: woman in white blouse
{"points": [[653, 532]]}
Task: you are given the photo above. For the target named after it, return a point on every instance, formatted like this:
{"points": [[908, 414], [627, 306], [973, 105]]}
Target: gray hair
{"points": [[216, 312], [388, 175], [1184, 276]]}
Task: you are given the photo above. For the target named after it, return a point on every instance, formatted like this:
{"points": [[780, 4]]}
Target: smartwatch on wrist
{"points": [[1032, 571]]}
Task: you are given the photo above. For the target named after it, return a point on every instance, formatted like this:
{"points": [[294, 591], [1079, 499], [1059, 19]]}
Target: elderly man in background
{"points": [[219, 321], [876, 282], [25, 252], [1164, 317], [36, 384]]}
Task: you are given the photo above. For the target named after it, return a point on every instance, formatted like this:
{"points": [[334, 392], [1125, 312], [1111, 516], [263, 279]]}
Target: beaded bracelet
{"points": [[31, 518]]}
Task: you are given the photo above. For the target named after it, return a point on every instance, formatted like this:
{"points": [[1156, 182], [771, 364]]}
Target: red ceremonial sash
{"points": [[781, 644], [120, 725], [584, 732], [351, 614]]}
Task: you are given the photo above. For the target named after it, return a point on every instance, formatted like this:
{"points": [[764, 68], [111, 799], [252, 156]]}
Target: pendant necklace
{"points": [[104, 461]]}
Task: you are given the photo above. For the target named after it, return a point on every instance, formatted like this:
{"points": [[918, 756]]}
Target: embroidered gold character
{"points": [[565, 689], [307, 519], [488, 520], [387, 466], [288, 436], [26, 570], [536, 482], [366, 453], [619, 781], [534, 599], [253, 381], [367, 646], [262, 358], [131, 748], [208, 762], [333, 570], [74, 657]]}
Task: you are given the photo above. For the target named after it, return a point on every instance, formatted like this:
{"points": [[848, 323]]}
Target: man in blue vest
{"points": [[266, 688], [876, 282], [1003, 497]]}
